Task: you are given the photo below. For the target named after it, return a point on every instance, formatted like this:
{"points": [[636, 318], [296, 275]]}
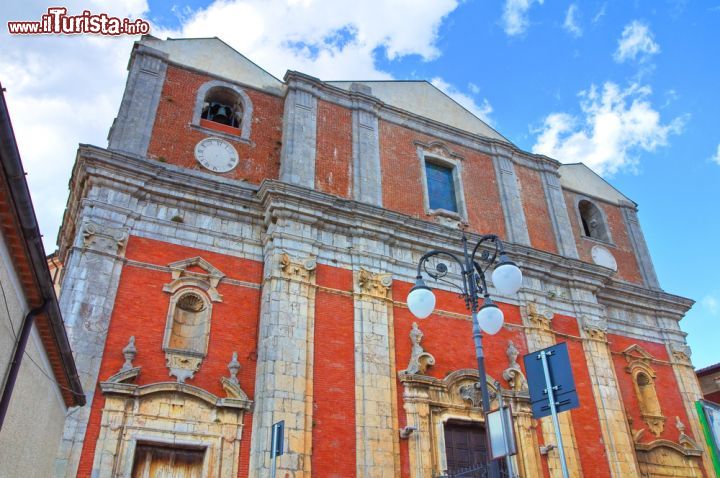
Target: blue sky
{"points": [[629, 87]]}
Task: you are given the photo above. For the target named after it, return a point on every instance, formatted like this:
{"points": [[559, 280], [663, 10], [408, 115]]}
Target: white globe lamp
{"points": [[490, 318], [507, 277], [421, 300]]}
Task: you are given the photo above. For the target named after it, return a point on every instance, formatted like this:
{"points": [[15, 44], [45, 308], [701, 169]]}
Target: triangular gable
{"points": [[213, 54], [580, 178], [424, 99]]}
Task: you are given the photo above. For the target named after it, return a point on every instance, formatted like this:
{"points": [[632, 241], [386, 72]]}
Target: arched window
{"points": [[223, 109], [222, 105], [593, 221]]}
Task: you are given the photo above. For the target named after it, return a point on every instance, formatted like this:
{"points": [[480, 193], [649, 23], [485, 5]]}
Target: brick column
{"points": [[611, 412], [539, 335], [283, 384], [92, 273], [376, 435]]}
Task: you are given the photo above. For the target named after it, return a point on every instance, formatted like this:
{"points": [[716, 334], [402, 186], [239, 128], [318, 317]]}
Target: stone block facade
{"points": [[301, 256]]}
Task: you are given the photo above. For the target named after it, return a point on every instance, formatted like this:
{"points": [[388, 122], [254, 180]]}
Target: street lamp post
{"points": [[507, 279]]}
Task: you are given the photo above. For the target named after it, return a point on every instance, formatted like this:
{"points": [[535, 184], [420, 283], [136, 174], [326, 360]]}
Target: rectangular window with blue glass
{"points": [[440, 187]]}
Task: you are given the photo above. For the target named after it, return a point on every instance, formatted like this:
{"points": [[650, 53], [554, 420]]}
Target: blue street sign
{"points": [[561, 379], [278, 432]]}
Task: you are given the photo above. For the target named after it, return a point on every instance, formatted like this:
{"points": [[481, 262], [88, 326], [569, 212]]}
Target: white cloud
{"points": [[474, 89], [515, 16], [63, 90], [616, 125], [600, 13], [482, 110], [636, 43], [571, 22], [329, 39], [711, 304], [716, 158]]}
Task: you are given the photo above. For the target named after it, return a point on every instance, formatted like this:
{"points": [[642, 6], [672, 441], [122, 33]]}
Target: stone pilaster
{"points": [[283, 384], [367, 176], [515, 223], [93, 266], [611, 412], [297, 158], [637, 239], [691, 393], [132, 128], [376, 435], [539, 335], [557, 209]]}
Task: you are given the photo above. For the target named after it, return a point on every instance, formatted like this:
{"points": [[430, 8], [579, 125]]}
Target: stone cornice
{"points": [[138, 177], [275, 199]]}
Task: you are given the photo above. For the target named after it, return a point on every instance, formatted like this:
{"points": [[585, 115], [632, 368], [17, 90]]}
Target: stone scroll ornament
{"points": [[513, 375], [420, 360]]}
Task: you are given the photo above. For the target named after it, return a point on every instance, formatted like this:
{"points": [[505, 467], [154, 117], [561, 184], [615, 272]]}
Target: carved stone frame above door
{"points": [[430, 403]]}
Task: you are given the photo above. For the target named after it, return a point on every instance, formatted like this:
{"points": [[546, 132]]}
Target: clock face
{"points": [[216, 154], [602, 257]]}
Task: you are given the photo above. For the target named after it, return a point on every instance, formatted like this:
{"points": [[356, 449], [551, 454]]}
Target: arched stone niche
{"points": [[172, 415], [193, 290], [430, 403]]}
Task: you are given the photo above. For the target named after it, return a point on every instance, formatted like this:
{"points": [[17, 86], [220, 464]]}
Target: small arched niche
{"points": [[592, 220], [189, 328]]}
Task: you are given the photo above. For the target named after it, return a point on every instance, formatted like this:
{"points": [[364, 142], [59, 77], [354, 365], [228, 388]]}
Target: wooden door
{"points": [[160, 462], [466, 449]]}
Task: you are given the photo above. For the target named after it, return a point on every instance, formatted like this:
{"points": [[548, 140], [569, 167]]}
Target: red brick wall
{"points": [[141, 309], [333, 160], [621, 248], [173, 140], [666, 386], [402, 179], [535, 207], [333, 439]]}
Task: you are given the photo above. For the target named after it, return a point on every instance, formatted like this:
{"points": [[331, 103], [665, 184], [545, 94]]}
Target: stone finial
{"points": [[129, 352], [683, 438], [234, 367], [680, 425], [419, 359], [513, 374]]}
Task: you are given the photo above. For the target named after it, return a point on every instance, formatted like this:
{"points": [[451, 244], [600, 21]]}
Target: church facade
{"points": [[241, 253]]}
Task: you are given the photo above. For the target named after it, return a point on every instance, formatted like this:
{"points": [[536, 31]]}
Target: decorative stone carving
{"points": [[185, 274], [420, 360], [471, 392], [375, 285], [683, 439], [129, 352], [539, 316], [298, 269], [643, 376], [103, 238], [594, 328], [234, 367], [681, 353], [182, 365], [513, 374], [230, 384]]}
